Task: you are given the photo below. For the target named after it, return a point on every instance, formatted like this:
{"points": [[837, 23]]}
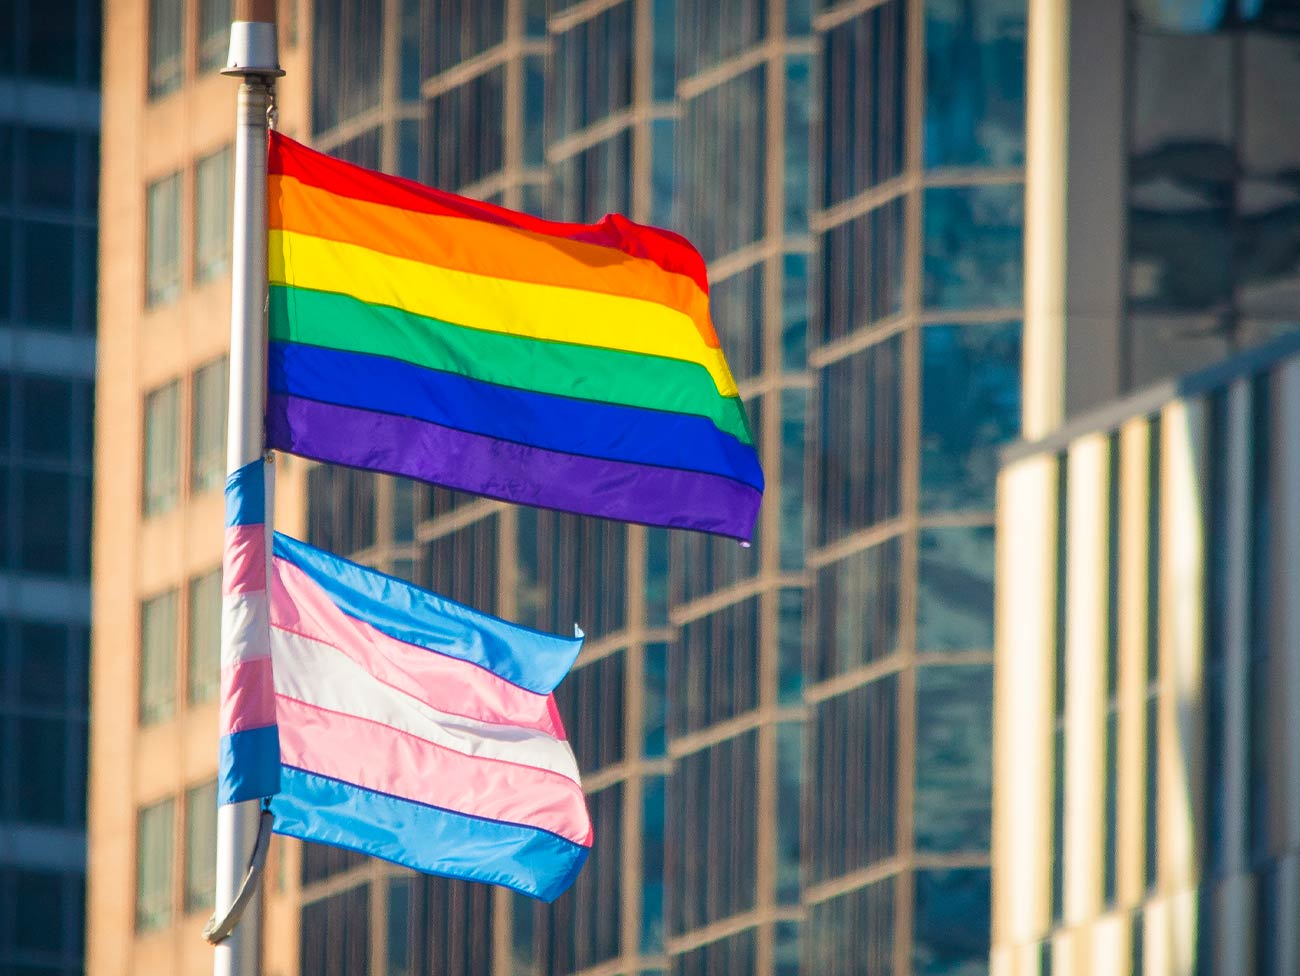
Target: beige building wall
{"points": [[135, 557]]}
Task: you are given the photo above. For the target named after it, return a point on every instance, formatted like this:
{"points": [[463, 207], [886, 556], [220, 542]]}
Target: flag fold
{"points": [[418, 730], [564, 366]]}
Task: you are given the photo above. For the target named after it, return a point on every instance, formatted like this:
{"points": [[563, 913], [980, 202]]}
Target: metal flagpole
{"points": [[254, 58]]}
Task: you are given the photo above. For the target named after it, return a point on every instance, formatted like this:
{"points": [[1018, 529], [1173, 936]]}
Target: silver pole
{"points": [[253, 58]]}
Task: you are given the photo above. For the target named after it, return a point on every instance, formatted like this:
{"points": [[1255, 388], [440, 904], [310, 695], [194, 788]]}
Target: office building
{"points": [[164, 311], [1144, 810], [786, 747], [49, 145]]}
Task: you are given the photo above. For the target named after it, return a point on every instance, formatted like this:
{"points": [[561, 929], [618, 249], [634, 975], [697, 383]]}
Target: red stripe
{"points": [[670, 251]]}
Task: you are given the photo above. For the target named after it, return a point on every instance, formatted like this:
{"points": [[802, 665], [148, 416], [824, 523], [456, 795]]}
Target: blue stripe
{"points": [[246, 495], [250, 765], [528, 658], [328, 811], [584, 427]]}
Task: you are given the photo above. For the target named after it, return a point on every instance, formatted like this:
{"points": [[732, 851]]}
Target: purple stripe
{"points": [[512, 472]]}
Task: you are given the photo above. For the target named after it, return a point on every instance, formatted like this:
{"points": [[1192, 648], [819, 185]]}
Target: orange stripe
{"points": [[458, 244]]}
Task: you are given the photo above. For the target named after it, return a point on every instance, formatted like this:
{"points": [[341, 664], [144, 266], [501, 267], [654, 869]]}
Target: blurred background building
{"points": [[788, 747], [1147, 816], [49, 175]]}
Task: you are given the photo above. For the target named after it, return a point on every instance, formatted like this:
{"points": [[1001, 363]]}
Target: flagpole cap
{"points": [[253, 50]]}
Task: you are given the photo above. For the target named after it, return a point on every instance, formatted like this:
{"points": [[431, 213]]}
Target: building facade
{"points": [[786, 747], [160, 411], [49, 151], [1144, 806]]}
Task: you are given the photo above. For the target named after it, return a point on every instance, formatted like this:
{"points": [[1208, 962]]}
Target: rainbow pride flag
{"points": [[565, 366]]}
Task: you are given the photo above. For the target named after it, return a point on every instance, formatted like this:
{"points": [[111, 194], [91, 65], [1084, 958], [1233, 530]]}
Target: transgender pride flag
{"points": [[412, 728]]}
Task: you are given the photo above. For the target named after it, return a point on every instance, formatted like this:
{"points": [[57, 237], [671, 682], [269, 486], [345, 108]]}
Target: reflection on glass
{"points": [[793, 515], [858, 461], [798, 128], [789, 640], [348, 36], [863, 111], [974, 246], [787, 949], [853, 767], [464, 131], [456, 31], [954, 757], [975, 83], [853, 934], [857, 610], [591, 73], [652, 864], [663, 173], [654, 721], [723, 143], [951, 927], [790, 779], [736, 305], [954, 603], [970, 406], [712, 31], [713, 668], [595, 181], [711, 861], [861, 266], [665, 50], [794, 311]]}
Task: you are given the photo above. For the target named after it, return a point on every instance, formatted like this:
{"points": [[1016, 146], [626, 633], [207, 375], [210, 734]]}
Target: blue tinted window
{"points": [[465, 141], [954, 603], [711, 31], [954, 757], [712, 866], [857, 461], [49, 274], [713, 668], [853, 773], [973, 246], [723, 146], [794, 312], [793, 513], [863, 111], [652, 864], [665, 50], [592, 71], [970, 406], [798, 91], [861, 265], [736, 304], [857, 610], [951, 934], [975, 83], [595, 181], [852, 934], [790, 779]]}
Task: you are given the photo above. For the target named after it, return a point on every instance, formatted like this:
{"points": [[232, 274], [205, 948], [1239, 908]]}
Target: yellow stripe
{"points": [[520, 308]]}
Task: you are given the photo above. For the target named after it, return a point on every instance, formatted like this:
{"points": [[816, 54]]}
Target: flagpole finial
{"points": [[253, 44]]}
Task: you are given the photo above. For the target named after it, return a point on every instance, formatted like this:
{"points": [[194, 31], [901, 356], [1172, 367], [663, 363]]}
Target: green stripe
{"points": [[563, 369]]}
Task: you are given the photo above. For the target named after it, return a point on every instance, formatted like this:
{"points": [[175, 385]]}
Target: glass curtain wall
{"points": [[786, 747]]}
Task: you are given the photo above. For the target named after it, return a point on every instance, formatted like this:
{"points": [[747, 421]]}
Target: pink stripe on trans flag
{"points": [[244, 560], [446, 683], [378, 757], [248, 696]]}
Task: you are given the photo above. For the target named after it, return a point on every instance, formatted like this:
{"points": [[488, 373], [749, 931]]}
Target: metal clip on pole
{"points": [[217, 932]]}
